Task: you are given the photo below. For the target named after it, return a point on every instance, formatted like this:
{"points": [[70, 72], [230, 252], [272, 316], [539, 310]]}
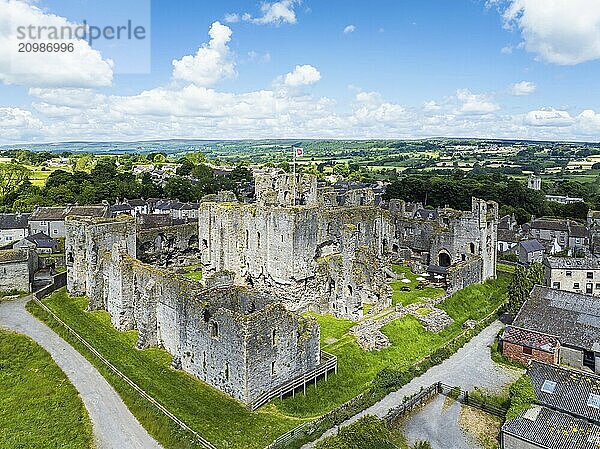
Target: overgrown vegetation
{"points": [[369, 432], [40, 407], [521, 284], [522, 396]]}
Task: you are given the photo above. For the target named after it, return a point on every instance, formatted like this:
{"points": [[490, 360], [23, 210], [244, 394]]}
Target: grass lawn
{"points": [[40, 408], [410, 342], [223, 421], [193, 272], [40, 174], [414, 295]]}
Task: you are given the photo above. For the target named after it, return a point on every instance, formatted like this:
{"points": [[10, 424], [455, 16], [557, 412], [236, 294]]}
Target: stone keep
{"points": [[236, 339], [310, 254]]}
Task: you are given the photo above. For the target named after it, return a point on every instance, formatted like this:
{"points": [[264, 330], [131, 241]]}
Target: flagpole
{"points": [[294, 175]]}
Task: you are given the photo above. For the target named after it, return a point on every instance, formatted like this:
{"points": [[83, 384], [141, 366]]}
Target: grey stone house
{"points": [[530, 251], [17, 267], [51, 220], [13, 227], [567, 233], [579, 275], [40, 243], [572, 318], [565, 414]]}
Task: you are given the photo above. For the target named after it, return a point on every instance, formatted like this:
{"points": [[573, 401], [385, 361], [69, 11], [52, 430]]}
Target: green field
{"points": [[39, 407], [413, 295]]}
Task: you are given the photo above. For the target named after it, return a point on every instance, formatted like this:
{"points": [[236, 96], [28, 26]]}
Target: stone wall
{"points": [[168, 245], [237, 339], [300, 252], [17, 268], [454, 237]]}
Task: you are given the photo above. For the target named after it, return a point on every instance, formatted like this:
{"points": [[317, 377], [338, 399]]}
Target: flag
{"points": [[299, 152]]}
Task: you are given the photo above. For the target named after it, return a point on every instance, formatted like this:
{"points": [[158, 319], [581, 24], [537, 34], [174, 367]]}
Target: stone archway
{"points": [[444, 259]]}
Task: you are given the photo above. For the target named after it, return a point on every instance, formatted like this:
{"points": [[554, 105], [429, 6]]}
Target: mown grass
{"points": [[39, 407], [218, 418], [409, 340], [413, 295]]}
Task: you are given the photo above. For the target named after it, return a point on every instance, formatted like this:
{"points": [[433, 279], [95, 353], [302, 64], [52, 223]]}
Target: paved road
{"points": [[113, 424], [470, 367]]}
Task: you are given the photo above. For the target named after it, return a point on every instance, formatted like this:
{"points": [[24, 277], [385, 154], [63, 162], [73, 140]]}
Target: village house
{"points": [[564, 232], [530, 251], [508, 233], [564, 415], [17, 267], [579, 275], [51, 220], [40, 243], [556, 326], [13, 227]]}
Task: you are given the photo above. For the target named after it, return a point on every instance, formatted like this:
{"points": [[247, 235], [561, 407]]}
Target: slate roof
{"points": [[535, 340], [578, 230], [581, 263], [121, 208], [42, 240], [60, 213], [554, 430], [14, 221], [553, 224], [571, 393], [506, 235], [136, 202], [572, 317], [532, 246]]}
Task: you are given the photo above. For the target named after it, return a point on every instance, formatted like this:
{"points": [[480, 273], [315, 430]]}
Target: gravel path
{"points": [[470, 367], [113, 424], [438, 423]]}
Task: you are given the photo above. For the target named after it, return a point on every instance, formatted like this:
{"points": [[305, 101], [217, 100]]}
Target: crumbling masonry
{"points": [[236, 339]]}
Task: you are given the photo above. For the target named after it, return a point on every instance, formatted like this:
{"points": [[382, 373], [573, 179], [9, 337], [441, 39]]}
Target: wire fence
{"points": [[46, 291]]}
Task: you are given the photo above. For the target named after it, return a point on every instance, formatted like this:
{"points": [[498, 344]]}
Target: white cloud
{"points": [[507, 50], [564, 32], [275, 13], [16, 123], [349, 29], [549, 117], [302, 75], [212, 62], [523, 88], [84, 67], [476, 104], [431, 106], [232, 18]]}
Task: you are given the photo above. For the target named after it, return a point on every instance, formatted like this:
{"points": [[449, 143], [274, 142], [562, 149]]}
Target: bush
{"points": [[369, 432], [522, 395]]}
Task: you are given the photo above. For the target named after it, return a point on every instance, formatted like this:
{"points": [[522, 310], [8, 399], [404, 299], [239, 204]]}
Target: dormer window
{"points": [[594, 401]]}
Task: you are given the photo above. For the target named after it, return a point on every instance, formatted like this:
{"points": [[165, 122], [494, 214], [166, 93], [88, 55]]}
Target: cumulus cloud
{"points": [[302, 75], [564, 32], [211, 63], [549, 117], [232, 18], [84, 67], [476, 104], [275, 13], [523, 88], [349, 29]]}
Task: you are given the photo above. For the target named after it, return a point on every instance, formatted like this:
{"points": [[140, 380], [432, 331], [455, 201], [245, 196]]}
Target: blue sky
{"points": [[288, 68]]}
